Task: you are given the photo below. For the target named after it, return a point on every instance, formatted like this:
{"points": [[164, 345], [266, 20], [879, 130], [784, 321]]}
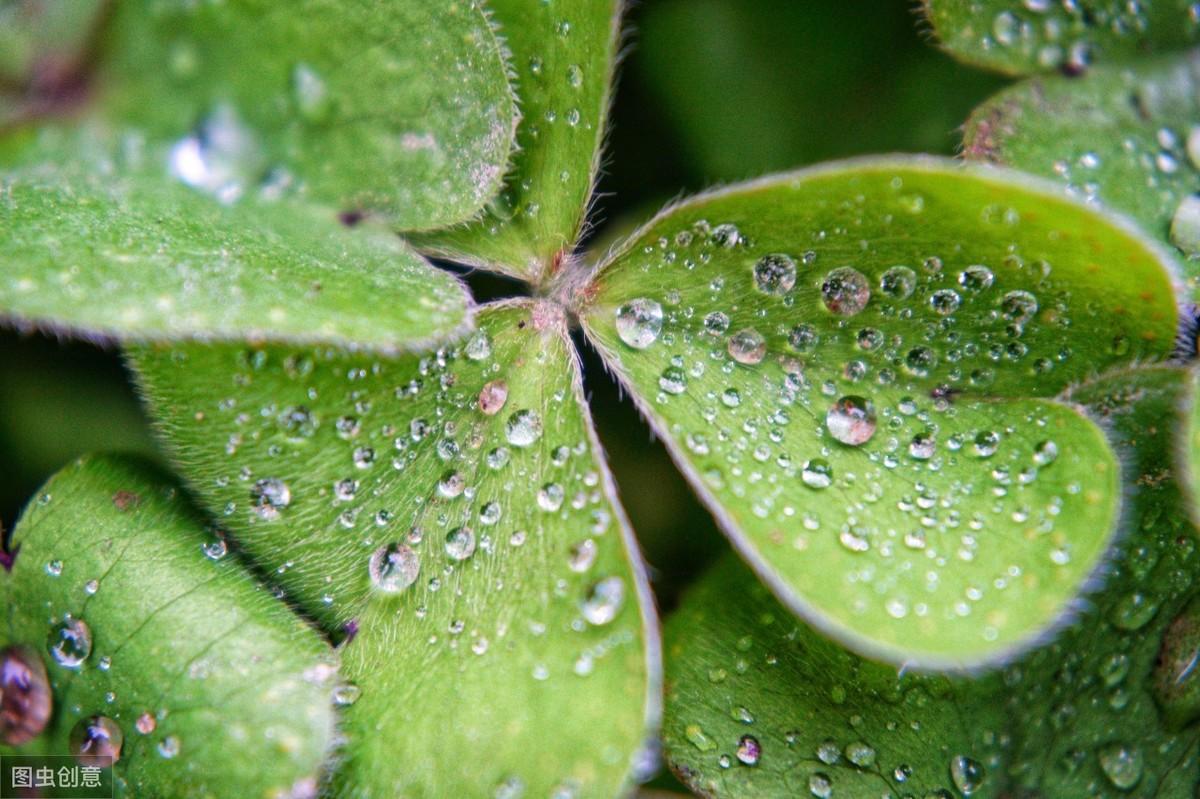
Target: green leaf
{"points": [[1090, 716], [564, 55], [855, 366], [1042, 35], [401, 110], [456, 511], [758, 704], [42, 41], [94, 239], [1122, 136], [142, 617]]}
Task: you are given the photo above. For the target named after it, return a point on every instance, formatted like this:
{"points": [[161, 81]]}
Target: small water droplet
{"points": [[393, 568], [817, 473], [523, 428], [269, 497], [898, 282], [168, 747], [460, 543], [1122, 764], [748, 750], [604, 601], [845, 291], [775, 273], [747, 346], [851, 420], [70, 642], [94, 739]]}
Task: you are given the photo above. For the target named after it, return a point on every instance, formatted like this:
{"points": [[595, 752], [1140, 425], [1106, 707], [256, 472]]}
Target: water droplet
{"points": [[70, 642], [310, 93], [1122, 765], [297, 422], [986, 443], [493, 396], [451, 485], [845, 291], [747, 346], [523, 428], [269, 497], [550, 497], [851, 420], [1045, 453], [220, 158], [803, 338], [699, 739], [817, 473], [146, 723], [1185, 225], [604, 601], [673, 380], [716, 323], [775, 274], [860, 754], [168, 747], [25, 697], [583, 555], [968, 774], [94, 739], [748, 750], [460, 543], [346, 694], [1019, 306], [820, 785], [393, 568], [479, 346], [639, 322], [898, 282], [923, 446], [945, 301], [976, 278], [1133, 611]]}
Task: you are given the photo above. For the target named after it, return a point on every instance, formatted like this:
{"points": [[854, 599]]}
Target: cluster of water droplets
{"points": [[783, 374]]}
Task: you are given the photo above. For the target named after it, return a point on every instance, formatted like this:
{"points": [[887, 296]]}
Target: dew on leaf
{"points": [[968, 775], [523, 428], [851, 420], [639, 323], [70, 642], [220, 158], [820, 785], [673, 380], [479, 346], [945, 301], [168, 747], [460, 543], [1185, 225], [775, 273], [898, 282], [748, 750], [860, 754], [25, 697], [311, 94], [845, 291], [817, 473], [747, 346], [493, 396], [94, 739], [803, 337], [604, 600], [393, 567], [1019, 306], [1122, 764], [270, 496]]}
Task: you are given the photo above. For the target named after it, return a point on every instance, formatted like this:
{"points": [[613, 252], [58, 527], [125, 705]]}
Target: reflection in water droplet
{"points": [[820, 785], [94, 739], [747, 346], [523, 428], [1122, 764], [393, 568], [25, 698], [817, 473], [70, 642], [845, 291], [220, 158], [898, 282], [604, 601], [270, 496], [968, 774], [775, 274], [460, 543], [639, 322], [748, 750], [851, 420]]}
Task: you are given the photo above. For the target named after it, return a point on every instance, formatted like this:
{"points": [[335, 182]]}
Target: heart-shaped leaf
{"points": [[564, 54], [758, 704], [159, 648], [1023, 36], [92, 237], [854, 365], [1124, 136], [455, 513], [400, 109], [1105, 709]]}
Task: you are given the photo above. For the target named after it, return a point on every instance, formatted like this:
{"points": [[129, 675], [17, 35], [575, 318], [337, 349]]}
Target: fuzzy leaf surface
{"points": [[856, 367], [217, 688], [455, 511]]}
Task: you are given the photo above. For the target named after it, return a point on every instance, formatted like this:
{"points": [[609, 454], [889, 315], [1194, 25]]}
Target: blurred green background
{"points": [[711, 91]]}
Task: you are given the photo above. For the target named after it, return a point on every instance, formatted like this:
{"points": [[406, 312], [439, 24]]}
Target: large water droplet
{"points": [[220, 158], [851, 420], [70, 642], [845, 291], [604, 600], [775, 274], [968, 774], [25, 698], [523, 428], [748, 750], [747, 346], [460, 543], [393, 568], [95, 739], [639, 322], [269, 497], [1122, 764]]}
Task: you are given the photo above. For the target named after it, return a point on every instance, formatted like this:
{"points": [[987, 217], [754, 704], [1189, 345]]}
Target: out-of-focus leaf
{"points": [[563, 54], [151, 631], [1098, 713], [42, 41], [94, 238], [1125, 136], [758, 704], [1023, 36], [455, 511], [855, 365], [400, 109]]}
